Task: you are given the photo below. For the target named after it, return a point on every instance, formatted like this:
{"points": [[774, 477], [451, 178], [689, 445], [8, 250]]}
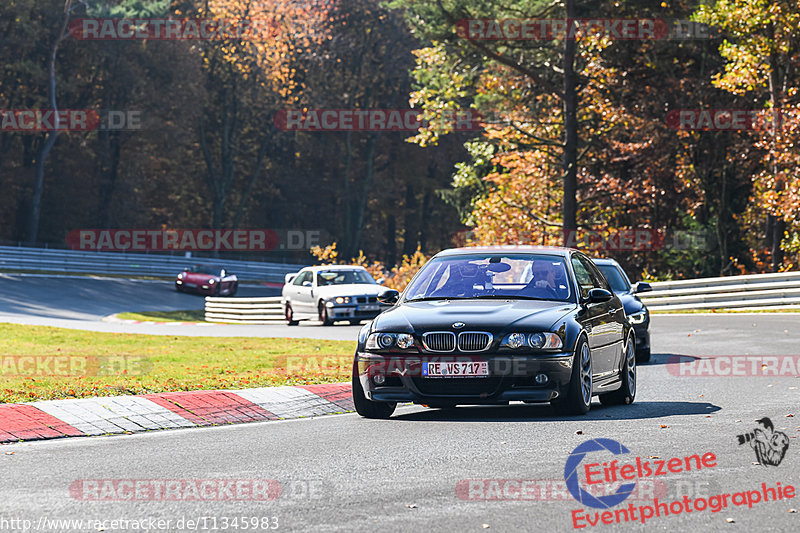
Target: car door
{"points": [[589, 318], [612, 320], [301, 298]]}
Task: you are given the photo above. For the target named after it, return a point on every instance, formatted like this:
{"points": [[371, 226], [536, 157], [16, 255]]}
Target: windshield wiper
{"points": [[512, 297], [429, 298]]}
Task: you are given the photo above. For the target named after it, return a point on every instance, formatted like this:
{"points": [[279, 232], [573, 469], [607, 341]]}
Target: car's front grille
{"points": [[439, 341], [474, 341], [366, 299], [458, 386]]}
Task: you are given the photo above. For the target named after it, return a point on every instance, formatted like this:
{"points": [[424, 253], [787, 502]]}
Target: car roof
{"points": [[317, 268], [524, 249], [606, 262]]}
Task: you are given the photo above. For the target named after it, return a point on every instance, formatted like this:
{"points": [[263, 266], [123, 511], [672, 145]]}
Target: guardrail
{"points": [[751, 292], [244, 310], [125, 264]]}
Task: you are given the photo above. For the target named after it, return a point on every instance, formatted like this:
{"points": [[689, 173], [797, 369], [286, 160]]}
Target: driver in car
{"points": [[543, 283]]}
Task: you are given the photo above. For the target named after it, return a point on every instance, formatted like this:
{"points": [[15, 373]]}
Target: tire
{"points": [[216, 289], [178, 288], [627, 392], [579, 391], [643, 355], [368, 408], [289, 316], [323, 315]]}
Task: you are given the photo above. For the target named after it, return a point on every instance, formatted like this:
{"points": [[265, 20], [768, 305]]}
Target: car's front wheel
{"points": [[289, 314], [643, 355], [323, 315], [368, 408], [579, 391], [627, 392]]}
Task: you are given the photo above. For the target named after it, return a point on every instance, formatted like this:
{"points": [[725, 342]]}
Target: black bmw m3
{"points": [[491, 325]]}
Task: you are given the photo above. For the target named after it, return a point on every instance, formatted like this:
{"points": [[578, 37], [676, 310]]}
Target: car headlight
{"points": [[637, 318], [384, 341], [342, 300], [543, 341], [211, 281], [181, 275]]}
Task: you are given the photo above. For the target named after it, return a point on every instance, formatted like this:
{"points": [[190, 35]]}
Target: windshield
{"points": [[516, 276], [615, 278], [209, 270], [344, 277]]}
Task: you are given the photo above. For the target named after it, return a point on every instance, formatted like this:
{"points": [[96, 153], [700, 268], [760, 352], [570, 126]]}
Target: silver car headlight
{"points": [[543, 341], [637, 318], [384, 341], [342, 300]]}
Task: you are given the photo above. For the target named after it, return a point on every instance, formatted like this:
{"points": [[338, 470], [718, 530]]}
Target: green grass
{"points": [[116, 363], [193, 315]]}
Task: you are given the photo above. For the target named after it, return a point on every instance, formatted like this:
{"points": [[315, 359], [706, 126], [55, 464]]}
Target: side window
{"points": [[597, 277], [582, 276], [302, 277]]}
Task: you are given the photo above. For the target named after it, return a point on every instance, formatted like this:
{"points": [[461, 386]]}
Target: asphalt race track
{"points": [[81, 303], [345, 473]]}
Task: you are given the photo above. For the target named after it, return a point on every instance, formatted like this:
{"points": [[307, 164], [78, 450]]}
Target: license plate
{"points": [[373, 307], [456, 370], [191, 284]]}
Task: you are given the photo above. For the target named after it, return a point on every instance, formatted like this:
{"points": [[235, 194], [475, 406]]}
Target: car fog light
{"points": [[541, 379], [379, 379]]}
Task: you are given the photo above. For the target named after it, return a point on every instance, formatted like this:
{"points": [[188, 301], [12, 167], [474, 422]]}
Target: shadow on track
{"points": [[545, 413]]}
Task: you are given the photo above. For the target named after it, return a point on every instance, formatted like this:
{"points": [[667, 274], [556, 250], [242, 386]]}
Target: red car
{"points": [[208, 280]]}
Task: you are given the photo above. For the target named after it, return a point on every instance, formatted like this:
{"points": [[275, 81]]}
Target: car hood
{"points": [[349, 289], [197, 277], [630, 302], [494, 316]]}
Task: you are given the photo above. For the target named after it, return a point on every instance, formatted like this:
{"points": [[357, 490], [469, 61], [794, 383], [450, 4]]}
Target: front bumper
{"points": [[511, 378], [642, 333], [353, 311]]}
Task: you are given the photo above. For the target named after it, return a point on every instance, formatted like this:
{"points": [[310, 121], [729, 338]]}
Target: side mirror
{"points": [[597, 295], [306, 284], [389, 297], [642, 286]]}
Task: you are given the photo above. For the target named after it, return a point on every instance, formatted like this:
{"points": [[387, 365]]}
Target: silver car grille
{"points": [[474, 341], [445, 341], [439, 341]]}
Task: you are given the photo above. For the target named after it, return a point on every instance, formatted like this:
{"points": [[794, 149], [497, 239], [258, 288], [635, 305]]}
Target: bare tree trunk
{"points": [[775, 93], [366, 185], [51, 136], [570, 131]]}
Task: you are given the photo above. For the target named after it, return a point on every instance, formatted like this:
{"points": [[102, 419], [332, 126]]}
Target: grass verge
{"points": [[193, 315], [45, 363]]}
